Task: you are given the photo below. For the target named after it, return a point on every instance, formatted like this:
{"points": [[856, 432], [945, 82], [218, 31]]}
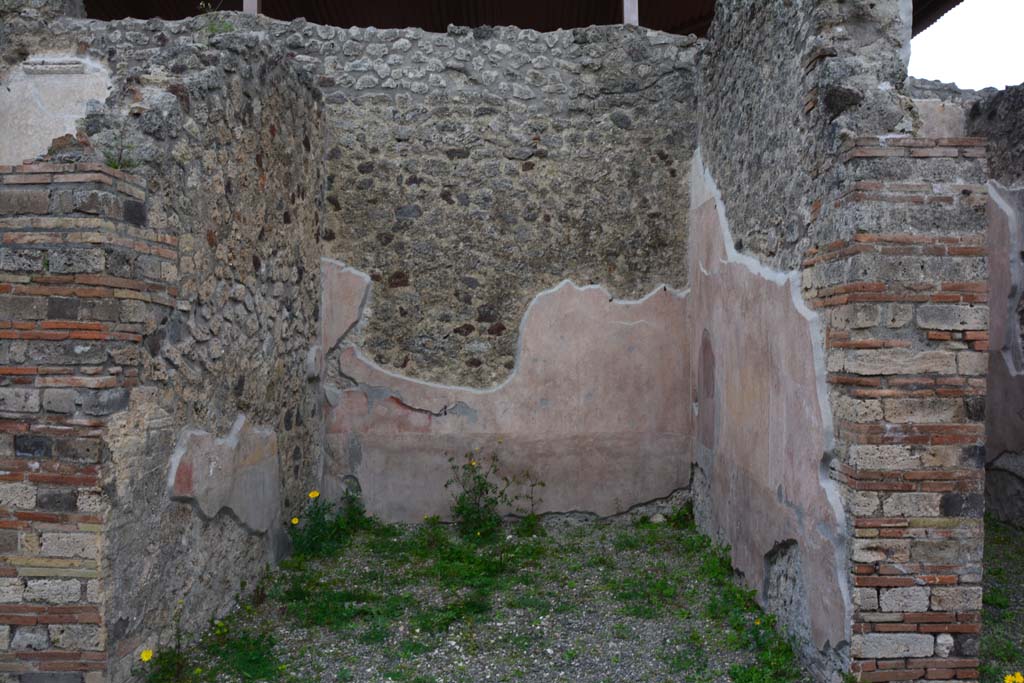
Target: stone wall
{"points": [[82, 280], [999, 117], [231, 147], [494, 226], [222, 373], [470, 171], [824, 165]]}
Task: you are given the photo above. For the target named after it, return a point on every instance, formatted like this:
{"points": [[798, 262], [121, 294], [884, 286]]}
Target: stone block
{"points": [[952, 317], [33, 446], [15, 202], [52, 678], [880, 550], [924, 410], [892, 645], [77, 636], [12, 590], [22, 307], [856, 316], [77, 260], [912, 505], [912, 599], [63, 308], [857, 410], [90, 502], [19, 400], [54, 591], [61, 500], [105, 402], [898, 315], [972, 363], [21, 260], [60, 544], [60, 400], [864, 503], [884, 457], [13, 495], [865, 599], [946, 551], [956, 598], [30, 638], [900, 362]]}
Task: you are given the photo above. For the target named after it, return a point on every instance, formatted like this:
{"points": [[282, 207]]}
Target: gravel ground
{"points": [[590, 602], [1002, 639]]}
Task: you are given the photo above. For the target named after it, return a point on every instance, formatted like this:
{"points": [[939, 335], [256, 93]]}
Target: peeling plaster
{"points": [[237, 473]]}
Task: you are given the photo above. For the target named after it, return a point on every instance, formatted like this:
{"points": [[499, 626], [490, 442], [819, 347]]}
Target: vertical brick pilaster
{"points": [[83, 280], [903, 292]]}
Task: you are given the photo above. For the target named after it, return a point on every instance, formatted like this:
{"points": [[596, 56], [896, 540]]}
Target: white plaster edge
{"points": [[829, 487], [475, 391], [368, 285], [778, 277], [1014, 364]]}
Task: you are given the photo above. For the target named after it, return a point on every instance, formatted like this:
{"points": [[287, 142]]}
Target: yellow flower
{"points": [[1008, 678], [295, 520], [472, 463], [146, 655], [1018, 677], [314, 494], [757, 622]]}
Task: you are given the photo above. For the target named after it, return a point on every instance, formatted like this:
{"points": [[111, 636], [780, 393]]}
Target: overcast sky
{"points": [[977, 44]]}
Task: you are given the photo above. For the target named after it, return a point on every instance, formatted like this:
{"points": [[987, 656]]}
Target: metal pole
{"points": [[631, 12], [251, 6]]}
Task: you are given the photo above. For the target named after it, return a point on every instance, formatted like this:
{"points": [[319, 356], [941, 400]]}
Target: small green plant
{"points": [[214, 25], [172, 665], [477, 497], [119, 158], [325, 529]]}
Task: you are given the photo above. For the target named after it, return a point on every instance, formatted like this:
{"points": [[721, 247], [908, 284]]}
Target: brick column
{"points": [[82, 282], [904, 296]]}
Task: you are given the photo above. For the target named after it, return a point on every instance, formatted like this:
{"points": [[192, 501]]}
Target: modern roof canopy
{"points": [[672, 16]]}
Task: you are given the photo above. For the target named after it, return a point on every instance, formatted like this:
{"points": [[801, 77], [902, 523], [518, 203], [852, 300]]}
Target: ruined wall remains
{"points": [[195, 468], [348, 254], [220, 131], [825, 166], [999, 117]]}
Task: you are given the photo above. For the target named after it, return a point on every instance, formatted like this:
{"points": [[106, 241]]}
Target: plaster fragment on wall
{"points": [[43, 99], [238, 472]]}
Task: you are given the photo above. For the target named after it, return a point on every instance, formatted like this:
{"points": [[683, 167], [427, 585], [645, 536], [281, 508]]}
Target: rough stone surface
{"points": [[478, 171], [999, 116]]}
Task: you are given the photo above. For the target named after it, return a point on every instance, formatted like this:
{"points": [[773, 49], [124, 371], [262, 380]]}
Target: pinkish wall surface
{"points": [[764, 427], [612, 402], [593, 409], [1004, 419]]}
